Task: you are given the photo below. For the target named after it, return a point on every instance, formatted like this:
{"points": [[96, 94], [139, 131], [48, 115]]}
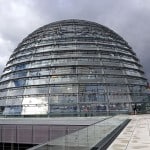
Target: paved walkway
{"points": [[135, 136]]}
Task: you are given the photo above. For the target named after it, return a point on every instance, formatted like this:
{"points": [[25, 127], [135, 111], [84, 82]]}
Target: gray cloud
{"points": [[130, 19]]}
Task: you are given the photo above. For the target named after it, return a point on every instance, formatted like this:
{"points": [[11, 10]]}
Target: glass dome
{"points": [[72, 67]]}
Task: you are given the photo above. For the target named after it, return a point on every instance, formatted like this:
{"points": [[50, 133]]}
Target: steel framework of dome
{"points": [[71, 67]]}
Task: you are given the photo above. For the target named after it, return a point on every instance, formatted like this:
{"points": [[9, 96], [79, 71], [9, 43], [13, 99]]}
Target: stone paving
{"points": [[135, 136]]}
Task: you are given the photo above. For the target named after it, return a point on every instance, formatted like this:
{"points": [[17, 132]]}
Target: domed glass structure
{"points": [[71, 67]]}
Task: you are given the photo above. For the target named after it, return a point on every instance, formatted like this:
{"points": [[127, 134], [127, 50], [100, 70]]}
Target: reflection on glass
{"points": [[35, 100], [34, 109], [69, 66], [12, 110]]}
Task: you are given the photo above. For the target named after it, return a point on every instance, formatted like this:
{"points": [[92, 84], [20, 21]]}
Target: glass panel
{"points": [[35, 100], [113, 71], [114, 80], [91, 88], [129, 65], [38, 72], [63, 99], [4, 85], [22, 59], [128, 58], [92, 97], [6, 77], [138, 98], [63, 89], [40, 63], [136, 88], [20, 74], [2, 102], [119, 106], [19, 82], [33, 90], [14, 101], [63, 109], [15, 92], [34, 109], [89, 70], [34, 72], [117, 89], [37, 81], [12, 110], [110, 63], [44, 72], [90, 77], [136, 81], [20, 66], [59, 79], [8, 70], [3, 93], [133, 73], [87, 46], [66, 70], [118, 98], [87, 53]]}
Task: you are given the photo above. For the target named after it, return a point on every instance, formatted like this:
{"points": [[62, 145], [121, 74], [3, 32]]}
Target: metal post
{"points": [[107, 106], [12, 146]]}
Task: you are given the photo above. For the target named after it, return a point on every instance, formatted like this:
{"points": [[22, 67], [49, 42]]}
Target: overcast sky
{"points": [[129, 18]]}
